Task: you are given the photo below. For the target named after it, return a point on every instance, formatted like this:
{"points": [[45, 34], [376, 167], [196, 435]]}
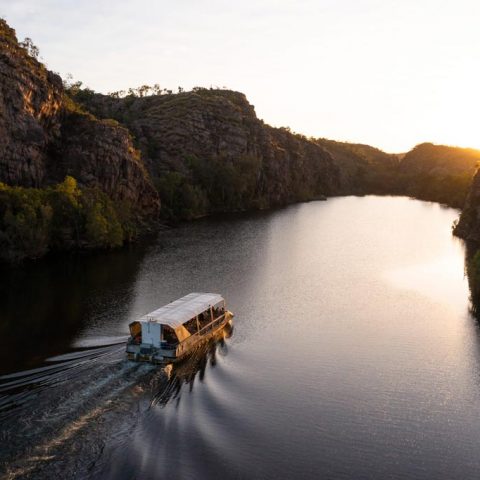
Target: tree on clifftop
{"points": [[30, 47]]}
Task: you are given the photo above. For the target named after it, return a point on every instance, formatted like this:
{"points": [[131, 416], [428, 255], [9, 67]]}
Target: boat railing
{"points": [[211, 325], [193, 338]]}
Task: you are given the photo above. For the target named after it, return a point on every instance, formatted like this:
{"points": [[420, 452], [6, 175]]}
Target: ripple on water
{"points": [[354, 355]]}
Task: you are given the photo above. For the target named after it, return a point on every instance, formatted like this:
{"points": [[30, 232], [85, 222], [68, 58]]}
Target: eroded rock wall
{"points": [[44, 136], [468, 226], [220, 125]]}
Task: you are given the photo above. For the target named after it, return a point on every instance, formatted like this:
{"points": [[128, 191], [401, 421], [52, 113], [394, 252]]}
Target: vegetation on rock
{"points": [[36, 220], [205, 151], [45, 135], [436, 173], [218, 128], [472, 270]]}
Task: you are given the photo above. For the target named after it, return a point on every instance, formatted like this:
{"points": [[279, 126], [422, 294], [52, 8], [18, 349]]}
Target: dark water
{"points": [[353, 353]]}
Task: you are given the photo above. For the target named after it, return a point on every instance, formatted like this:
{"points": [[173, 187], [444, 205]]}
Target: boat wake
{"points": [[57, 419], [19, 388], [43, 409]]}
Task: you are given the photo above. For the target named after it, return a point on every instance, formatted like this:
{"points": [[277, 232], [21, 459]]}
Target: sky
{"points": [[390, 73]]}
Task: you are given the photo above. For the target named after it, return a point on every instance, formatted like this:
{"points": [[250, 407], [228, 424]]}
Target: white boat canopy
{"points": [[175, 314]]}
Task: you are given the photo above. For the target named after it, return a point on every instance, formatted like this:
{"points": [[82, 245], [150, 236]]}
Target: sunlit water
{"points": [[353, 353]]}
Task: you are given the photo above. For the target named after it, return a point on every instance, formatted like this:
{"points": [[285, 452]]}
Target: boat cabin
{"points": [[173, 329]]}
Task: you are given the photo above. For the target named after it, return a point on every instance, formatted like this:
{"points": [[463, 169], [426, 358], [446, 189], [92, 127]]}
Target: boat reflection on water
{"points": [[168, 387]]}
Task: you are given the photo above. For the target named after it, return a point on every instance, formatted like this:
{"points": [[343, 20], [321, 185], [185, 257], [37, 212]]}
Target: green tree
{"points": [[25, 220], [67, 215], [102, 226], [30, 47]]}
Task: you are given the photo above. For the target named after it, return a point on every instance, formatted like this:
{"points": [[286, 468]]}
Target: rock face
{"points": [[468, 226], [100, 153], [220, 126], [45, 136], [440, 160], [30, 105], [363, 169], [296, 168], [438, 173], [431, 172], [205, 150]]}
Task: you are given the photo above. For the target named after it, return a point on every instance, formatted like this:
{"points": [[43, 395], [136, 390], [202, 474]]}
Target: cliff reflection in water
{"points": [[354, 355], [472, 271], [46, 305]]}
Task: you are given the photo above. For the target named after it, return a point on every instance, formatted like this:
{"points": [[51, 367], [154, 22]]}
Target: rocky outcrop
{"points": [[295, 168], [438, 173], [30, 106], [44, 136], [431, 172], [205, 150], [468, 226], [220, 127], [440, 160], [100, 153], [363, 169]]}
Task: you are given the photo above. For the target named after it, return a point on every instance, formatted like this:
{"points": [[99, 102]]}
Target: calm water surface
{"points": [[353, 353]]}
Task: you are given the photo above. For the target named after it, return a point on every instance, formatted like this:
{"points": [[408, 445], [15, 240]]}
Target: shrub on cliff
{"points": [[25, 221], [33, 221], [442, 188], [102, 225], [180, 199], [473, 272], [228, 185], [207, 186], [65, 227]]}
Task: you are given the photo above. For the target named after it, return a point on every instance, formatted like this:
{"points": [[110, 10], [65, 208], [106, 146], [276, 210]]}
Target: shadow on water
{"points": [[385, 383], [473, 275], [46, 304], [185, 372], [66, 393], [148, 425]]}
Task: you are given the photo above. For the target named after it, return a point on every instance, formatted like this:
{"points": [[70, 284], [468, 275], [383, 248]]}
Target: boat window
{"points": [[219, 309], [204, 318], [135, 333], [191, 326], [168, 335]]}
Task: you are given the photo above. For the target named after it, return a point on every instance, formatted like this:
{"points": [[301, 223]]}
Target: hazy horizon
{"points": [[385, 73]]}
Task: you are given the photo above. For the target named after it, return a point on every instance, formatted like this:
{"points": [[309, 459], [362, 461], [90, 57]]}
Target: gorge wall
{"points": [[468, 226], [207, 151], [436, 173], [191, 141], [197, 152], [44, 136]]}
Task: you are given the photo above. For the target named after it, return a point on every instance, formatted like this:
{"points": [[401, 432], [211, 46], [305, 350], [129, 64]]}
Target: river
{"points": [[353, 353]]}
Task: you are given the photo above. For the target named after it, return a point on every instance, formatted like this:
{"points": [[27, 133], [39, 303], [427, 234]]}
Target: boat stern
{"points": [[149, 353]]}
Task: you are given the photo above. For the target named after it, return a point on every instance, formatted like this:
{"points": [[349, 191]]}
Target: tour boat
{"points": [[171, 332]]}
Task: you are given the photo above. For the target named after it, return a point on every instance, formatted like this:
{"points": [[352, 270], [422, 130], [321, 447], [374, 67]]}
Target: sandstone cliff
{"points": [[188, 132], [431, 172], [364, 169], [468, 226], [211, 143], [30, 109], [438, 173], [205, 151], [44, 136]]}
